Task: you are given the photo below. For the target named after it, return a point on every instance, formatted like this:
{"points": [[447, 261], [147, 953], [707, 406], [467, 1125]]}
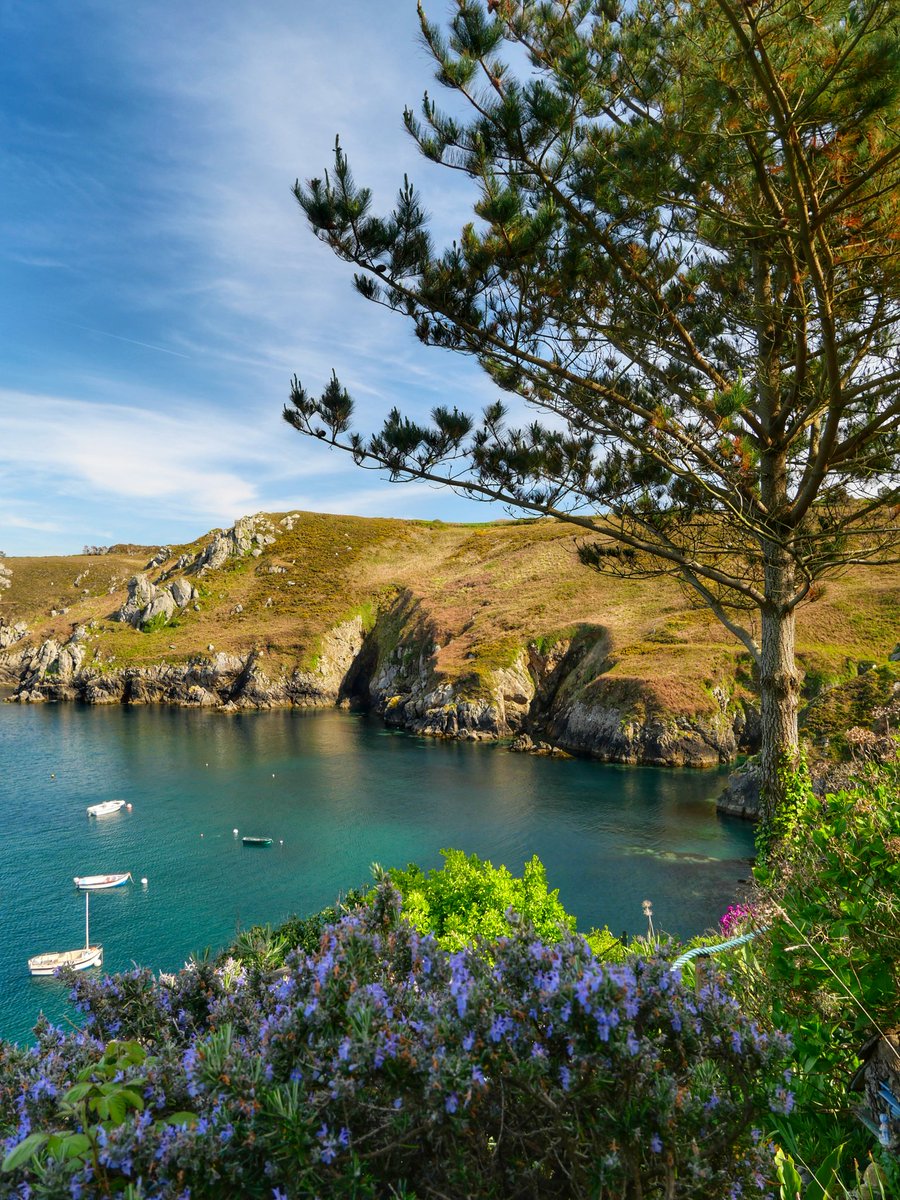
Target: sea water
{"points": [[336, 792]]}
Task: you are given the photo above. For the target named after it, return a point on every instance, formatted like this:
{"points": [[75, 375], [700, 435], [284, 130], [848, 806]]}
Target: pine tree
{"points": [[684, 257]]}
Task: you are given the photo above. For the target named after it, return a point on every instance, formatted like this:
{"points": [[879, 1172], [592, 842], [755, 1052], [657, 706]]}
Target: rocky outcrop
{"points": [[54, 671], [159, 602], [544, 695], [162, 554], [5, 574], [10, 634], [579, 708], [434, 708], [50, 671], [741, 797], [247, 535], [547, 695], [525, 744], [147, 602], [555, 696], [608, 733], [396, 675]]}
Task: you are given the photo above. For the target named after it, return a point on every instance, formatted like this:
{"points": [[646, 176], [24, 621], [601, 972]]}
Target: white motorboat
{"points": [[105, 808], [78, 960], [98, 883]]}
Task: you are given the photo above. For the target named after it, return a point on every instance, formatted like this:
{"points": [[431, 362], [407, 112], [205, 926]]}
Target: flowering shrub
{"points": [[734, 918], [385, 1065]]}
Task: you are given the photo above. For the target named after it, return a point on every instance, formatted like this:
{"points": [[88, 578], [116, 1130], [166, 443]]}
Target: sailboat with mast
{"points": [[78, 960]]}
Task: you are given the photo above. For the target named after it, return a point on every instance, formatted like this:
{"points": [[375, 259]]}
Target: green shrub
{"points": [[470, 900], [828, 972]]}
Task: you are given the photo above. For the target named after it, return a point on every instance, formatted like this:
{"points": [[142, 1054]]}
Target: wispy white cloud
{"points": [[11, 520], [150, 389], [126, 454]]}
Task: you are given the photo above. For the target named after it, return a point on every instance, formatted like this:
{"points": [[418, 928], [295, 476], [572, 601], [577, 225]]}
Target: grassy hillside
{"points": [[483, 592]]}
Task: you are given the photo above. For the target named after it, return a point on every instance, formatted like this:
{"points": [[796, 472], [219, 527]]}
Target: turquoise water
{"points": [[339, 791]]}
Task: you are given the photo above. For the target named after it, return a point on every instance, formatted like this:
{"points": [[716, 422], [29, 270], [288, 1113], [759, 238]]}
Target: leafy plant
{"points": [[828, 970], [105, 1093], [469, 899]]}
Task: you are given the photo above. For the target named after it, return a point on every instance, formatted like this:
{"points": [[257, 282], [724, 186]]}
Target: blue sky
{"points": [[158, 283]]}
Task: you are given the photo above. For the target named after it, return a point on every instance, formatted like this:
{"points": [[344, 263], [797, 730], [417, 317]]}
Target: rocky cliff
{"points": [[462, 632]]}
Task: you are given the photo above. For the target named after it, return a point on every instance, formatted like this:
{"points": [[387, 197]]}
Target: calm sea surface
{"points": [[336, 791]]}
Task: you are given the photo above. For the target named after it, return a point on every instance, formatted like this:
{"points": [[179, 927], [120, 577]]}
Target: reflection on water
{"points": [[336, 791]]}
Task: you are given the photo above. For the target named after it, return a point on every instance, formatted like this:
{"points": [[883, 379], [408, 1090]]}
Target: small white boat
{"points": [[105, 808], [97, 883], [78, 960]]}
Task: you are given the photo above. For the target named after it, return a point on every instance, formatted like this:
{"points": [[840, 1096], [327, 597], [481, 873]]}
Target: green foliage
{"points": [[606, 947], [879, 1181], [794, 789], [266, 948], [469, 900], [547, 642], [101, 1099], [160, 621], [262, 947], [849, 704], [828, 972]]}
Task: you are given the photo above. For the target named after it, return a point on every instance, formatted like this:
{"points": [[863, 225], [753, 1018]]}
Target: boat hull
{"points": [[256, 841], [78, 960], [105, 808], [99, 883]]}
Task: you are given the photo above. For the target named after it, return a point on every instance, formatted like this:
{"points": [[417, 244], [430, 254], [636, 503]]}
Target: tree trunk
{"points": [[779, 688]]}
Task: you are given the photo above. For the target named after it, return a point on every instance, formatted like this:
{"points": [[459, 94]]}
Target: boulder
{"points": [[163, 553], [146, 602], [244, 535], [10, 634], [741, 797], [183, 592], [163, 605]]}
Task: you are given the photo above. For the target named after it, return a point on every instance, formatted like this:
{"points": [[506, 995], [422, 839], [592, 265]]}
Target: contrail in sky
{"points": [[119, 338]]}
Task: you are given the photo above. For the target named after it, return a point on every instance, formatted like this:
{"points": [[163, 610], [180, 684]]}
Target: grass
{"points": [[480, 592]]}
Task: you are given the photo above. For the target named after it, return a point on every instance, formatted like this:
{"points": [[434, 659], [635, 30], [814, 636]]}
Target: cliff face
{"points": [[474, 633], [52, 672], [548, 697]]}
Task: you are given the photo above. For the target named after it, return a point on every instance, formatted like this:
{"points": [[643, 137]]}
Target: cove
{"points": [[336, 791]]}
